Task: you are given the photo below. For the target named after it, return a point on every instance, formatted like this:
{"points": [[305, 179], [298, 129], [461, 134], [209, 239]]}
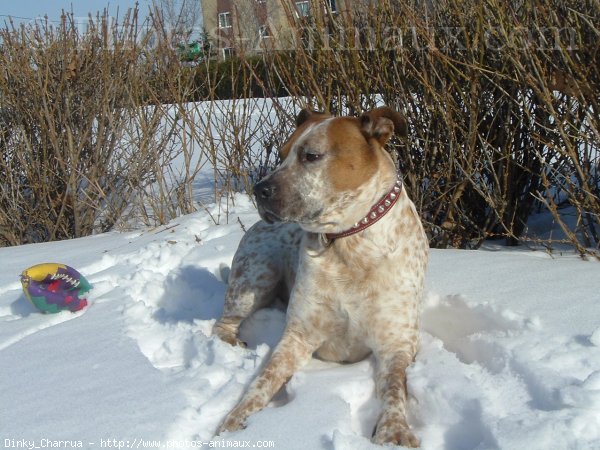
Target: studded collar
{"points": [[379, 210]]}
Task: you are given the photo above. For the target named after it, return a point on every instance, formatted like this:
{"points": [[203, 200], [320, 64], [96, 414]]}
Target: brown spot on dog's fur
{"points": [[305, 119], [354, 161], [306, 114], [380, 123]]}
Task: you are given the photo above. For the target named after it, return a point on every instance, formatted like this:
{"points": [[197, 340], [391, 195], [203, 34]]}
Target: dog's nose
{"points": [[264, 190]]}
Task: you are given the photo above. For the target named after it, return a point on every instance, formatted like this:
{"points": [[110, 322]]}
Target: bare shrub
{"points": [[501, 99], [107, 128], [76, 144]]}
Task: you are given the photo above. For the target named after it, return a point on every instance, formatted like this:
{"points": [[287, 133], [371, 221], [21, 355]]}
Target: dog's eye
{"points": [[311, 157]]}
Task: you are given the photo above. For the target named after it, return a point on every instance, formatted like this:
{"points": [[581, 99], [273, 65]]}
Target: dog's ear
{"points": [[305, 114], [380, 123]]}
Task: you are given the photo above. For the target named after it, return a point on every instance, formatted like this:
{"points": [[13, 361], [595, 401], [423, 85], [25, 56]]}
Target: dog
{"points": [[341, 241]]}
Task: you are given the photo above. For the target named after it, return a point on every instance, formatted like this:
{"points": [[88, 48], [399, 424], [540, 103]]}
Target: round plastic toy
{"points": [[53, 287]]}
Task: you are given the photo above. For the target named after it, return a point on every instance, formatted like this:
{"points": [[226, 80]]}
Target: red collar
{"points": [[379, 210]]}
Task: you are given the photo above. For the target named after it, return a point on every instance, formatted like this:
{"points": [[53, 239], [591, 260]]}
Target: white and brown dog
{"points": [[343, 242]]}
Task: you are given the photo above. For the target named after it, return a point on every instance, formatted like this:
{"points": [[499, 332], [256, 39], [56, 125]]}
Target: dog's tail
{"points": [[224, 271]]}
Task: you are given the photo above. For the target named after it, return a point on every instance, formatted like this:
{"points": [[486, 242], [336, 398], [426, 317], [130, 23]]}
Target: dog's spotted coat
{"points": [[347, 298]]}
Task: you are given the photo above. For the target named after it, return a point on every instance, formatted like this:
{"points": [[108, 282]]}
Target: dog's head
{"points": [[332, 170]]}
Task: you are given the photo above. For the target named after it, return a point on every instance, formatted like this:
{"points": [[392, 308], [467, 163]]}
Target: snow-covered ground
{"points": [[510, 355]]}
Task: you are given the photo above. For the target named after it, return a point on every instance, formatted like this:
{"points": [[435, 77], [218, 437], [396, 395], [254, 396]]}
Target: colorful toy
{"points": [[53, 287]]}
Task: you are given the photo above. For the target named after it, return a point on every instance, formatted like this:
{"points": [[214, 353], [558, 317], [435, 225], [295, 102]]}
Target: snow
{"points": [[510, 355]]}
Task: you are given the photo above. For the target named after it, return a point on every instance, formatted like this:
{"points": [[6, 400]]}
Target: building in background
{"points": [[250, 26]]}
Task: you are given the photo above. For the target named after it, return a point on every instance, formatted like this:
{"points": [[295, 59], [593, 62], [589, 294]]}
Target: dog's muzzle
{"points": [[278, 203], [265, 193]]}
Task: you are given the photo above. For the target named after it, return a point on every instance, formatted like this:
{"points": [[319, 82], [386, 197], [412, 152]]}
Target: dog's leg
{"points": [[240, 303], [253, 284], [292, 352], [392, 426], [227, 329]]}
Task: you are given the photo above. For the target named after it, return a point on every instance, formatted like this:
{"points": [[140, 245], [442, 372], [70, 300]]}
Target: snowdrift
{"points": [[510, 355]]}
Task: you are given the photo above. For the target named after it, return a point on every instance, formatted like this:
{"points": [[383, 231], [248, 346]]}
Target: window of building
{"points": [[228, 52], [263, 32], [225, 20], [303, 8], [332, 6]]}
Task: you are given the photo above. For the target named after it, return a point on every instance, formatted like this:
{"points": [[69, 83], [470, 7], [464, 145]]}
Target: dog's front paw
{"points": [[395, 432], [228, 333], [232, 422]]}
